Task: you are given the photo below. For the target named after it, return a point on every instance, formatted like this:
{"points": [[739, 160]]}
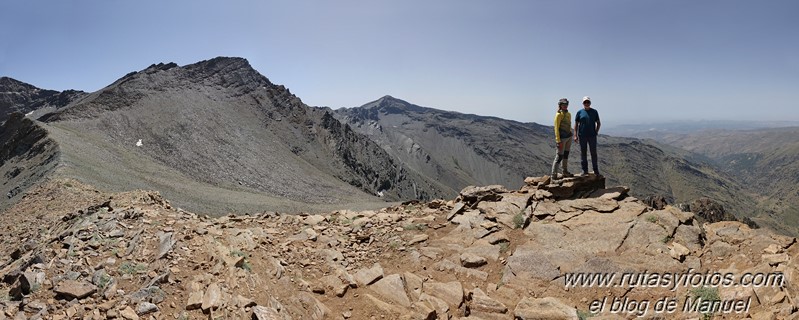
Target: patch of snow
{"points": [[28, 114], [380, 193], [138, 143]]}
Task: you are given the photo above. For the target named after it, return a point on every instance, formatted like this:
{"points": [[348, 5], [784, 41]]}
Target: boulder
{"points": [[480, 302], [450, 292], [544, 308], [366, 277], [195, 300], [472, 194], [212, 298], [265, 313], [470, 260], [74, 289], [392, 288]]}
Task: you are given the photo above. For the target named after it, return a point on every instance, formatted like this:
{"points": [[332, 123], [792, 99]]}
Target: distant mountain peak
{"points": [[10, 84], [229, 69], [388, 102], [391, 99], [223, 63]]}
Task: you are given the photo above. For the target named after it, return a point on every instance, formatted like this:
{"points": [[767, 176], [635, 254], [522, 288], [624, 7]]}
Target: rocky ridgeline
{"points": [[489, 254]]}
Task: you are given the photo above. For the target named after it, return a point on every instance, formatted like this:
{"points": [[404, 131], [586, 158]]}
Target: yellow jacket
{"points": [[563, 128]]}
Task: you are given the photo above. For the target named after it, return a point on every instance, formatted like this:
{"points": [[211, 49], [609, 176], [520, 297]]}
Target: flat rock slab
{"points": [[366, 277], [511, 203], [483, 303], [165, 243], [565, 216], [544, 308], [457, 209], [490, 252], [195, 300], [532, 263], [392, 288], [615, 193], [544, 209], [265, 313], [145, 308], [470, 260], [335, 284], [314, 219], [129, 314], [74, 289], [446, 265], [212, 297], [499, 237], [596, 204], [472, 194], [418, 238], [450, 292]]}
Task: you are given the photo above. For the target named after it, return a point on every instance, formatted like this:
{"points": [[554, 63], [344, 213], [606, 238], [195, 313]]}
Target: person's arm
{"points": [[598, 122], [558, 117], [576, 125]]}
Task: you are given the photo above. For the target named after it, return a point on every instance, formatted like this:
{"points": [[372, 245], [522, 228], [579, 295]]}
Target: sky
{"points": [[640, 61]]}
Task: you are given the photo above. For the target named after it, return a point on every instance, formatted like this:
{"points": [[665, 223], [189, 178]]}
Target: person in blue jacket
{"points": [[586, 125]]}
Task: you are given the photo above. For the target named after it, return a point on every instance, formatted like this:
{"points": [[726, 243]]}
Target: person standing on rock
{"points": [[563, 133], [586, 125]]}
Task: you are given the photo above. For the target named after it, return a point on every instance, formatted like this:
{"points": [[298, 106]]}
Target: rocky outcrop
{"points": [[17, 96], [709, 210], [492, 253]]}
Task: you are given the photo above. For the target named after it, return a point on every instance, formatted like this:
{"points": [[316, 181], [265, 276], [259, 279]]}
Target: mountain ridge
{"points": [[221, 123], [18, 96], [498, 151]]}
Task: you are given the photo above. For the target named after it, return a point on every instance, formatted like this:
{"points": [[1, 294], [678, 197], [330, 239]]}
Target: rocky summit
{"points": [[70, 251]]}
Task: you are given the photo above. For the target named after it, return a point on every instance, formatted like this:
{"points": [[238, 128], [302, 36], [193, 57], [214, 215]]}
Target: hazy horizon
{"points": [[639, 61]]}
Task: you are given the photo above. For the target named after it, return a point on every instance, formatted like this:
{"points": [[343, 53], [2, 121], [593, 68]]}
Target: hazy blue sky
{"points": [[639, 60]]}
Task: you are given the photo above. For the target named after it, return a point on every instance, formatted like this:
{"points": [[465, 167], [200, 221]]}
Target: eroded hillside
{"points": [[764, 160], [217, 136], [27, 155]]}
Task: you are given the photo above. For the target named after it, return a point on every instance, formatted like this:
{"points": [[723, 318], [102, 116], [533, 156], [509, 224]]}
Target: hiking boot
{"points": [[567, 174]]}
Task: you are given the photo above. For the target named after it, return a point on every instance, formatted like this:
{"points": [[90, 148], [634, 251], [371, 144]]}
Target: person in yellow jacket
{"points": [[563, 134]]}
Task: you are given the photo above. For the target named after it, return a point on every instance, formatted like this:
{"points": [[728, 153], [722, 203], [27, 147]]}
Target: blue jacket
{"points": [[587, 120]]}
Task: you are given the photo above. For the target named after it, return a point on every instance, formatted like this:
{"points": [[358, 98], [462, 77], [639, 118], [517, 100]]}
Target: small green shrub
{"points": [[706, 294], [518, 220], [128, 267], [582, 314], [246, 266], [504, 246], [105, 279]]}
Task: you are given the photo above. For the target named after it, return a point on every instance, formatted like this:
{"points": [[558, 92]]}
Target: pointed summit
{"points": [[13, 85], [231, 74], [389, 104]]}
